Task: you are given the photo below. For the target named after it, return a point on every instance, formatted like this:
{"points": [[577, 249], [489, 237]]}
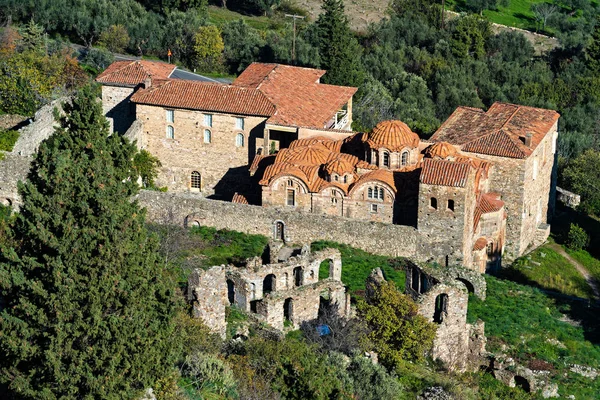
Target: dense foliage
{"points": [[582, 176], [88, 305]]}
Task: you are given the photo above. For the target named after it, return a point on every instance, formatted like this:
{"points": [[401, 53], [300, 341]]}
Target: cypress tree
{"points": [[339, 50], [88, 305]]}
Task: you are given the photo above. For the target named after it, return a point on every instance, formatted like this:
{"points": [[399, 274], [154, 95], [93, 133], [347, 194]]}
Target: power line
{"points": [[294, 17]]}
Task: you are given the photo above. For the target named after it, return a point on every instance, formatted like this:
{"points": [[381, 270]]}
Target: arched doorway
{"points": [[269, 284], [230, 291], [279, 231], [522, 383], [298, 275], [195, 181], [441, 308], [288, 309]]}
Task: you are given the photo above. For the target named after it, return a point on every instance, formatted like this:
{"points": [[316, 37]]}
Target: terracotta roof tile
{"points": [[500, 131], [440, 150], [444, 173], [238, 198], [205, 96], [300, 99], [480, 244], [132, 73], [392, 135], [486, 203], [380, 175]]}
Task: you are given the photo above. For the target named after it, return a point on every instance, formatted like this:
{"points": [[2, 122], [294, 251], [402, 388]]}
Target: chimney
{"points": [[147, 83], [528, 138]]}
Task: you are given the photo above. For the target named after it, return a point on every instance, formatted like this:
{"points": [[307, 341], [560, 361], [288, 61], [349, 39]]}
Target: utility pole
{"points": [[294, 17]]}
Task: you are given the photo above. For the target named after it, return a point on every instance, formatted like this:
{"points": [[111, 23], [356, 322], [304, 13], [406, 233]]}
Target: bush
{"points": [[8, 140], [208, 373], [98, 59], [147, 167], [578, 238]]}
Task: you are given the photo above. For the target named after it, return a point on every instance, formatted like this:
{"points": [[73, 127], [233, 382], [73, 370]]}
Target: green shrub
{"points": [[208, 373], [146, 165], [8, 140], [578, 238]]}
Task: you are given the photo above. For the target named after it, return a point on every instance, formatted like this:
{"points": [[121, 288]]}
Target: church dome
{"points": [[393, 135], [339, 166], [440, 150]]}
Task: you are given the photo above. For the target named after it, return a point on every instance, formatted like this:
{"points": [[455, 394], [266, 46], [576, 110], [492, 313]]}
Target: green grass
{"points": [[8, 140], [549, 270], [588, 261], [522, 319], [358, 264], [220, 16]]}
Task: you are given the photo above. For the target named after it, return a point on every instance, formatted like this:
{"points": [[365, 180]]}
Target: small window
{"points": [[370, 193], [291, 197], [386, 159], [170, 132], [207, 136], [345, 178], [239, 140], [208, 120], [405, 158], [196, 180], [239, 123], [381, 193], [374, 208], [290, 183], [451, 205], [335, 177], [433, 203], [170, 116]]}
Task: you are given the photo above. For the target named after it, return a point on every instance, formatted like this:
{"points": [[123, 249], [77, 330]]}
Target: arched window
{"points": [[345, 178], [451, 205], [386, 159], [370, 193], [404, 160], [381, 193], [196, 180], [433, 203], [374, 157], [170, 132], [239, 140], [269, 284], [207, 136], [441, 308]]}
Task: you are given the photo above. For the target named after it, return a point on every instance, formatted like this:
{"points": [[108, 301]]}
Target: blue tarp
{"points": [[323, 330]]}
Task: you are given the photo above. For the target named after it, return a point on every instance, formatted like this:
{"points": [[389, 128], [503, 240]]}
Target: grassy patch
{"points": [[521, 321], [8, 140], [220, 16], [588, 261], [358, 264], [549, 270]]}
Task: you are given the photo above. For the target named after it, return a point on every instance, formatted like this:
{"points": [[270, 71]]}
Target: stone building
{"points": [[286, 290], [442, 297], [205, 134]]}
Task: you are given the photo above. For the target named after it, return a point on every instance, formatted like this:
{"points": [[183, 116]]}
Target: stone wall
{"points": [[119, 111], [187, 152], [377, 238], [569, 199], [13, 168], [210, 289], [41, 128]]}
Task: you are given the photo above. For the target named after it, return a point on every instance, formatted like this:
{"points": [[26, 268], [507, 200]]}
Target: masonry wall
{"points": [[13, 168], [209, 297], [119, 111], [377, 238], [215, 161]]}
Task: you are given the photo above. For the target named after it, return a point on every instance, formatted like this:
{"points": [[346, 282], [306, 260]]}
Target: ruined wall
{"points": [[117, 108], [188, 151], [377, 238], [40, 129], [208, 293], [13, 168]]}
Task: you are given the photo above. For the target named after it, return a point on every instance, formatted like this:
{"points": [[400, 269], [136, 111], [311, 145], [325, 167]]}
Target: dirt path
{"points": [[580, 268]]}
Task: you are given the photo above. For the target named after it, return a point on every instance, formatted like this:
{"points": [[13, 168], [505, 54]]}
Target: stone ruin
{"points": [[442, 297], [286, 288]]}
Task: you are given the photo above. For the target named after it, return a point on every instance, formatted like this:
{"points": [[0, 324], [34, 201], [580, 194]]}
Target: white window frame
{"points": [[170, 132], [287, 197], [374, 208], [240, 140], [239, 123], [208, 120], [207, 136], [170, 115]]}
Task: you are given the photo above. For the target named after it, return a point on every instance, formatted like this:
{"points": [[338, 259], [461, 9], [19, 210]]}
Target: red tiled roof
{"points": [[480, 244], [380, 175], [500, 131], [205, 96], [300, 99], [444, 173], [393, 135], [238, 198], [132, 73], [487, 203], [440, 150]]}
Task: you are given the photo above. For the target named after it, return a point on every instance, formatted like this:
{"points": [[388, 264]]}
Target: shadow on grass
{"points": [[565, 217]]}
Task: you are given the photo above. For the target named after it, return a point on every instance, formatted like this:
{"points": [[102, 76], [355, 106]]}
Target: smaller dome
{"points": [[339, 166], [440, 150], [393, 135], [315, 154]]}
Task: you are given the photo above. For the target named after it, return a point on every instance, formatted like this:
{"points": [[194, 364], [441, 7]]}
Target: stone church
{"points": [[481, 188]]}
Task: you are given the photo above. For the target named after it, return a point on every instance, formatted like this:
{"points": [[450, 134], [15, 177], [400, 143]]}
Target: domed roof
{"points": [[339, 166], [393, 135], [440, 150], [314, 154]]}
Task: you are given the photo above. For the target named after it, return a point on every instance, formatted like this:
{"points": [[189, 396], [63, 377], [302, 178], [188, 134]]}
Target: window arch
{"points": [[207, 136], [451, 205], [170, 132], [380, 193], [196, 180], [239, 140], [386, 159], [370, 193], [433, 203], [404, 158], [441, 308]]}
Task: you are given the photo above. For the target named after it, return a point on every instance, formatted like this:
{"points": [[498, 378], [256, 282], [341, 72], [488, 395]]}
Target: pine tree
{"points": [[339, 50], [88, 304]]}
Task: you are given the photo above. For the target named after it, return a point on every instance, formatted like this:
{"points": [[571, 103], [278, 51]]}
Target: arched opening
{"points": [[230, 291], [170, 132], [414, 283], [254, 306], [451, 205], [196, 180], [7, 202], [386, 159], [269, 284], [522, 383], [279, 231], [326, 269], [298, 275], [252, 291], [468, 284], [433, 203], [424, 283], [195, 224], [324, 304], [207, 136], [288, 309], [239, 140], [404, 159], [441, 308], [286, 280]]}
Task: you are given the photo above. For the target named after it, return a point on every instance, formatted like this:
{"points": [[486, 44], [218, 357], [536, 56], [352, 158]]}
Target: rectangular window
{"points": [[239, 123], [170, 116], [291, 197], [374, 208], [208, 120]]}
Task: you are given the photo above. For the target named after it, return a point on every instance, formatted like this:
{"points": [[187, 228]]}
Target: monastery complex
{"points": [[479, 191]]}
